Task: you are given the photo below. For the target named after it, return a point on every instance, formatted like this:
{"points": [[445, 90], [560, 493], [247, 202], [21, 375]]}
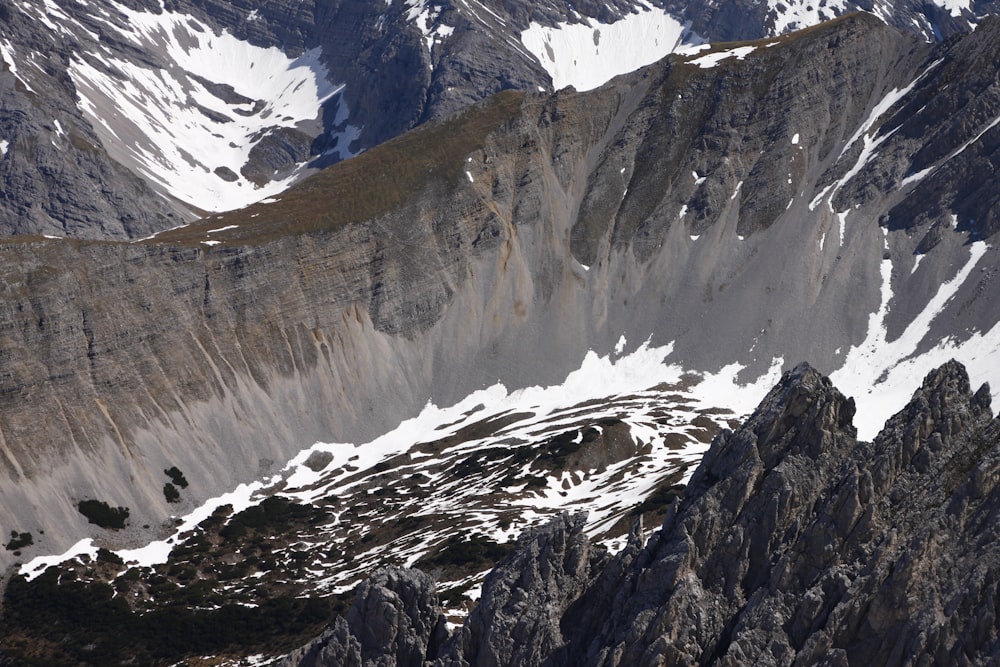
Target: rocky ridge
{"points": [[69, 157], [793, 544]]}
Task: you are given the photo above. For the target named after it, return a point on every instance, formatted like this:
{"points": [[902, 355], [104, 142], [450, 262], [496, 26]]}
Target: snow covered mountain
{"points": [[705, 204], [148, 115]]}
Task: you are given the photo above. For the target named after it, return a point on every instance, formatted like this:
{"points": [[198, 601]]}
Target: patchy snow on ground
{"points": [[425, 15], [663, 406], [710, 60], [792, 15], [587, 55], [189, 127], [38, 565]]}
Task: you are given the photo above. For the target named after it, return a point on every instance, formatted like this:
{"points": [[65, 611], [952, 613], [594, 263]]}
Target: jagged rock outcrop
{"points": [[395, 621], [517, 620], [793, 544]]}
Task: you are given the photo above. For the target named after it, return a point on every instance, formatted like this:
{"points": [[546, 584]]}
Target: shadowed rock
{"points": [[395, 620]]}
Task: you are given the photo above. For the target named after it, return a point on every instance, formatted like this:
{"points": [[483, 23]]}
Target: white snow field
{"points": [[589, 54], [175, 128], [883, 374]]}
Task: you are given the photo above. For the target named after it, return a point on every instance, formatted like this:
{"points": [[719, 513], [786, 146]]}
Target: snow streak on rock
{"points": [[882, 372], [710, 60]]}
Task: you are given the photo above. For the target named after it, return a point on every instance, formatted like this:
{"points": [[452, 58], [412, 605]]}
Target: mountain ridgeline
{"points": [[112, 113], [793, 544]]}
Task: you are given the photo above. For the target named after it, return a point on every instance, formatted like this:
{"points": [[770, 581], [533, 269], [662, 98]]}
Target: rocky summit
{"points": [[793, 543]]}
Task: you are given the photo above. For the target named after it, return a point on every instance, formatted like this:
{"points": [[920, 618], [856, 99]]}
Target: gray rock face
{"points": [[395, 621], [517, 620], [737, 21], [793, 544]]}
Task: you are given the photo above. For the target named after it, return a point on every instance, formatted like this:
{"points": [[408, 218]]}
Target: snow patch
{"points": [[175, 129], [38, 565], [710, 60], [842, 220], [7, 54], [222, 229], [587, 55], [955, 7], [792, 15], [4, 145]]}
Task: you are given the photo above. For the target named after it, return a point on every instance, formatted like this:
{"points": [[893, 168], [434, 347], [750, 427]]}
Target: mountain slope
{"points": [[505, 244]]}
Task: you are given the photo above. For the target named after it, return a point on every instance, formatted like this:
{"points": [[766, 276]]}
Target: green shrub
{"points": [[176, 476], [100, 513], [478, 551], [171, 493], [660, 499], [55, 620], [107, 556], [272, 512], [19, 540]]}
